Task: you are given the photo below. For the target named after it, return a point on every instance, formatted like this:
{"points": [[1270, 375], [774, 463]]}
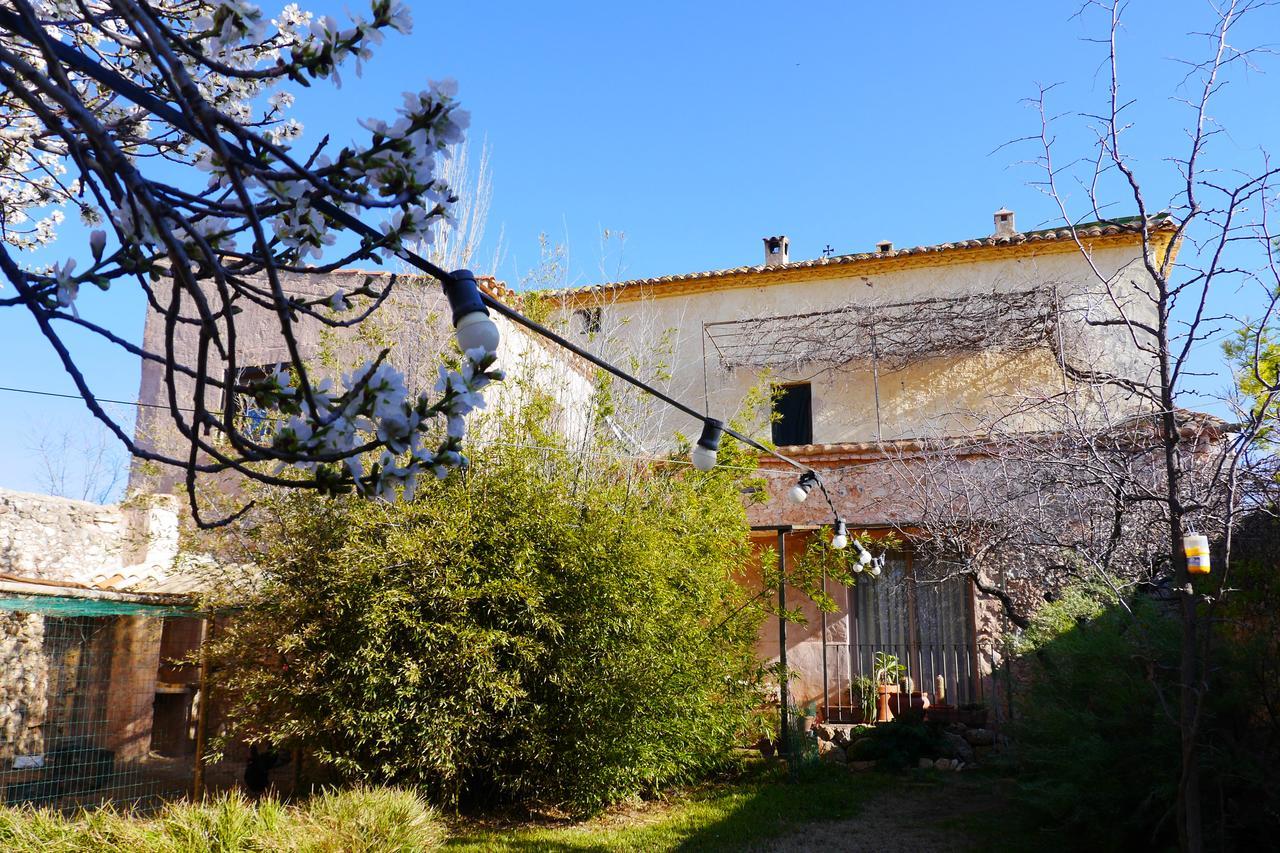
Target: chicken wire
{"points": [[96, 705]]}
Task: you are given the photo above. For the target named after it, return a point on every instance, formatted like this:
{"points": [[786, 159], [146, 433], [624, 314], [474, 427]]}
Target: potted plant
{"points": [[942, 714], [886, 670], [864, 689]]}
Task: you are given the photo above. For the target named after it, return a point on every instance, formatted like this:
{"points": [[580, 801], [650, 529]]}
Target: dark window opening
{"points": [[255, 419], [793, 415], [590, 319]]}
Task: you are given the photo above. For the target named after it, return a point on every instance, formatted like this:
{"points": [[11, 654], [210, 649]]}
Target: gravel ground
{"points": [[907, 818]]}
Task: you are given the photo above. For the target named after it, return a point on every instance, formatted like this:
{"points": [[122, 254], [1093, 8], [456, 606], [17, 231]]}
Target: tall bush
{"points": [[553, 626], [1098, 749]]}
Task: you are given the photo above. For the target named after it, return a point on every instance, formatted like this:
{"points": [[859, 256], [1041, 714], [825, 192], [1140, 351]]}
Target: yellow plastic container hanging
{"points": [[1196, 547]]}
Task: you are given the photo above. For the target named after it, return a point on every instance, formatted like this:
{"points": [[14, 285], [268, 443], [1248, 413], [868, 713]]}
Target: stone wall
{"points": [[24, 685], [51, 538]]}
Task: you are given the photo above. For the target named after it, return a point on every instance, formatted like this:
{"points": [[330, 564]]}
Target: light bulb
{"points": [[800, 491], [703, 454], [471, 322], [875, 571], [477, 329], [840, 540], [865, 557], [704, 459]]}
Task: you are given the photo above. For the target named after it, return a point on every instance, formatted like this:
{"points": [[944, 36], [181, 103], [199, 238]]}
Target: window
{"points": [[255, 420], [793, 415], [927, 623], [588, 320]]}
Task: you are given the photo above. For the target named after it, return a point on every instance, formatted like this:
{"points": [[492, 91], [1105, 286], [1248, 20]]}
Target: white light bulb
{"points": [[797, 494], [477, 329], [839, 541], [875, 571], [865, 557], [703, 458]]}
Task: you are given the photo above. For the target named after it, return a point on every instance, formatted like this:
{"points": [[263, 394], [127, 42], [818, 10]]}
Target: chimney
{"points": [[1004, 223], [776, 251], [884, 247]]}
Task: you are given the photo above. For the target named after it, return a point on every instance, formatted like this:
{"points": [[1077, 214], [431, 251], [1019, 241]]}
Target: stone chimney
{"points": [[776, 251], [1004, 223], [884, 247]]}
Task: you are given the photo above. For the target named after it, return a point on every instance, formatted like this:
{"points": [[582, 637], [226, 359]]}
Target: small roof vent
{"points": [[884, 247]]}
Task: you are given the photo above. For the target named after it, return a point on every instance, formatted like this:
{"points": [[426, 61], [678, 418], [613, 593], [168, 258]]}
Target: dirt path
{"points": [[909, 817]]}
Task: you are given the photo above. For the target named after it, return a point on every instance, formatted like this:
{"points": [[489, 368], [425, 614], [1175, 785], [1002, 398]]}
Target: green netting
{"points": [[58, 605]]}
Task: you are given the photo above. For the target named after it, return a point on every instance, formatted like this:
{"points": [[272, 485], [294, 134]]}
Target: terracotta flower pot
{"points": [[942, 714], [883, 693]]}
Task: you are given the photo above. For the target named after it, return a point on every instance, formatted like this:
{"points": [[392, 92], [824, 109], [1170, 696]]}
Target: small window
{"points": [[256, 420], [793, 415], [588, 319]]}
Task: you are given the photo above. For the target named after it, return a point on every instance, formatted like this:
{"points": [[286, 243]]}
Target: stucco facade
{"points": [[933, 373]]}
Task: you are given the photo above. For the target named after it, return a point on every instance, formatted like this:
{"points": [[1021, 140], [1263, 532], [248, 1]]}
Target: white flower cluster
{"points": [[376, 406], [246, 204]]}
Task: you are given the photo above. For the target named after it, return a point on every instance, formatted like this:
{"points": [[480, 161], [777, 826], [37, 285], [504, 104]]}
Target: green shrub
{"points": [[900, 743], [545, 628], [1098, 751], [352, 821]]}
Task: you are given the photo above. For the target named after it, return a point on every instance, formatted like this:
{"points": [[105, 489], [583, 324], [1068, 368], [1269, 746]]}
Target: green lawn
{"points": [[821, 807], [762, 803]]}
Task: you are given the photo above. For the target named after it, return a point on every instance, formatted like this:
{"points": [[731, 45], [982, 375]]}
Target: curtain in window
{"points": [[925, 623]]}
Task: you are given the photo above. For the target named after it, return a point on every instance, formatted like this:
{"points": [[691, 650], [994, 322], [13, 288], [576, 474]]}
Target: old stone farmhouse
{"points": [[875, 357], [868, 359]]}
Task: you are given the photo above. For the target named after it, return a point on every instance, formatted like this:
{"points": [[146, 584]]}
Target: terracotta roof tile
{"points": [[1115, 227]]}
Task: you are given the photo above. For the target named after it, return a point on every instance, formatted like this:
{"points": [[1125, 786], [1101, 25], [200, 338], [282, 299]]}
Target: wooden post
{"points": [[783, 734], [202, 713]]}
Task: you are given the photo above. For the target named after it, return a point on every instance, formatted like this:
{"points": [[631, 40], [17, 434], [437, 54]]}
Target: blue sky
{"points": [[697, 129]]}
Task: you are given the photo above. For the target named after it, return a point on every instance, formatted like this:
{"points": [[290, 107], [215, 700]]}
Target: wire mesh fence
{"points": [[98, 702]]}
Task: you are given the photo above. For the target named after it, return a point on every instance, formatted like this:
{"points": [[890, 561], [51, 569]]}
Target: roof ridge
{"points": [[1088, 230]]}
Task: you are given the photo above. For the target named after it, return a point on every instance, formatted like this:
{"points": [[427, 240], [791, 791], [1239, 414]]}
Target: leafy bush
{"points": [[547, 628], [900, 743], [365, 820], [1097, 746]]}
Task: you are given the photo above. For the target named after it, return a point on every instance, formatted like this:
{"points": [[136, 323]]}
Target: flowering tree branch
{"points": [[166, 124]]}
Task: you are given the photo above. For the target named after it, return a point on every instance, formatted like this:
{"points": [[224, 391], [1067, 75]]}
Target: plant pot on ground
{"points": [[942, 714], [915, 700], [886, 670]]}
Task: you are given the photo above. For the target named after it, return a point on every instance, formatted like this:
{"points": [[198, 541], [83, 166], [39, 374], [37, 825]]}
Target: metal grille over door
{"points": [[926, 623]]}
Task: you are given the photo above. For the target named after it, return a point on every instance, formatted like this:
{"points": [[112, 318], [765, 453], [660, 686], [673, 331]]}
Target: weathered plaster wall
{"points": [[930, 398], [413, 325]]}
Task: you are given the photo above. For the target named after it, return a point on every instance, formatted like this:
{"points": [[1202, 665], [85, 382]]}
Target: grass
{"points": [[761, 803], [356, 821]]}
